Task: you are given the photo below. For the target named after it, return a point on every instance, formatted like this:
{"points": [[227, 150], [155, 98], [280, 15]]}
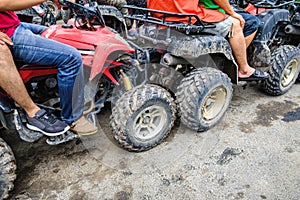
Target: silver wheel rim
{"points": [[289, 73], [149, 122], [213, 103]]}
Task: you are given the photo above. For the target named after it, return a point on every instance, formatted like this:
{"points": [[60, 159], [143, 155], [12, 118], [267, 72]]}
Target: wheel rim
{"points": [[213, 103], [149, 122], [289, 73]]}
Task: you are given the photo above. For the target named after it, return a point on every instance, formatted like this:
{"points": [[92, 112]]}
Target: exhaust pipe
{"points": [[168, 59], [293, 30]]}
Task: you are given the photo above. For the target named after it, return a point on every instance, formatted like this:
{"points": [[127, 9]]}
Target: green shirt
{"points": [[210, 4]]}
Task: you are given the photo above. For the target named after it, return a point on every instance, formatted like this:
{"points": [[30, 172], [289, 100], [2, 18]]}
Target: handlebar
{"points": [[80, 9], [90, 12]]}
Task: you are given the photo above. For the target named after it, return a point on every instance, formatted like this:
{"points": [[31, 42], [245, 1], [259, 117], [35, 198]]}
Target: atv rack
{"points": [[271, 4], [144, 15]]}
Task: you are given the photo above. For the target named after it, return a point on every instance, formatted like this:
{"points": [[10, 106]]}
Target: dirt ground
{"points": [[253, 153]]}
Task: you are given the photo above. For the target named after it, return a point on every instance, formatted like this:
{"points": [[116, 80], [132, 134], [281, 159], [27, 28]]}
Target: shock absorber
{"points": [[126, 80]]}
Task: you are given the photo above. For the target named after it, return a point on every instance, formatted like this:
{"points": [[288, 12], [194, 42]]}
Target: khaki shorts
{"points": [[222, 28]]}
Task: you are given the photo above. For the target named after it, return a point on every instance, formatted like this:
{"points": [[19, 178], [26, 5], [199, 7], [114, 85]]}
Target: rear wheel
{"points": [[284, 70], [203, 96], [7, 169], [143, 117]]}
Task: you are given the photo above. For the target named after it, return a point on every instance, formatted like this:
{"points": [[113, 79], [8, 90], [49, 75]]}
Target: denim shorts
{"points": [[251, 22]]}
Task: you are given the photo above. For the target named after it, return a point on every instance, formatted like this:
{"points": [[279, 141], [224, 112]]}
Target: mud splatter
{"points": [[271, 111], [268, 112], [228, 154]]}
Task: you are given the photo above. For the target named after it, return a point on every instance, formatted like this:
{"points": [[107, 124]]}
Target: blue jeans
{"points": [[31, 48]]}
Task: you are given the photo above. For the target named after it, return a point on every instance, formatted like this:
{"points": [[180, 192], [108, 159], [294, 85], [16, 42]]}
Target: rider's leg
{"points": [[249, 38], [12, 83], [238, 46], [252, 24], [34, 49]]}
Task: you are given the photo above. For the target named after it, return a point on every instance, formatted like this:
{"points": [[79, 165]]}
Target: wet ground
{"points": [[253, 153]]}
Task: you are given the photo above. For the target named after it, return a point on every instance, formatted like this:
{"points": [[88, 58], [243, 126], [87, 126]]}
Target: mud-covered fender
{"points": [[191, 47], [259, 54], [111, 11], [194, 47], [269, 20]]}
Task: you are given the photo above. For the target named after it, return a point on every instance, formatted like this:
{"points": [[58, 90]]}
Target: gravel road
{"points": [[253, 153]]}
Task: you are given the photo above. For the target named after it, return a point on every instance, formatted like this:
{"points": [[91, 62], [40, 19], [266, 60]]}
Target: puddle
{"points": [[292, 116]]}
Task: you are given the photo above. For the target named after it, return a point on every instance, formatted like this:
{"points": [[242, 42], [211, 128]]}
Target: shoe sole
{"points": [[85, 134], [34, 128]]}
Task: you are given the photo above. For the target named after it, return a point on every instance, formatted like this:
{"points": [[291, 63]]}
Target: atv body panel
{"points": [[95, 46]]}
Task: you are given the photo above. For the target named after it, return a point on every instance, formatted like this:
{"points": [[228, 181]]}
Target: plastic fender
{"points": [[259, 53], [111, 11], [193, 47], [103, 50], [30, 71], [269, 19]]}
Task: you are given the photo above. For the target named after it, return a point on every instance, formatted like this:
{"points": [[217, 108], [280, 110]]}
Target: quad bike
{"points": [[189, 64], [142, 116], [206, 64], [276, 44]]}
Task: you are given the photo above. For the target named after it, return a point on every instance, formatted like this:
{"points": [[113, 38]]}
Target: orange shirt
{"points": [[185, 7]]}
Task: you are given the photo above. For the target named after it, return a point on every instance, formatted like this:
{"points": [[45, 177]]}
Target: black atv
{"points": [[276, 45], [200, 68], [197, 69]]}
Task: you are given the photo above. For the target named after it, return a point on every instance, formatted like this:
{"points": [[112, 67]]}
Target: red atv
{"points": [[142, 115]]}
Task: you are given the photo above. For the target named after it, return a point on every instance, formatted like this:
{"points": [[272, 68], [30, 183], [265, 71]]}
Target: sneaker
{"points": [[47, 124], [83, 127]]}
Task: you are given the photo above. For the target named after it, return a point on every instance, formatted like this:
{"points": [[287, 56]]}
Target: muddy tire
{"points": [[143, 117], [284, 70], [7, 169], [202, 98]]}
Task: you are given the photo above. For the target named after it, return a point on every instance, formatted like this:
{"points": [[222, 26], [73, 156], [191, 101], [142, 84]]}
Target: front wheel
{"points": [[284, 70], [143, 117], [203, 96], [7, 169]]}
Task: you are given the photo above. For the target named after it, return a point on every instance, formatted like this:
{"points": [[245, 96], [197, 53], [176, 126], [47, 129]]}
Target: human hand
{"points": [[240, 18], [4, 39]]}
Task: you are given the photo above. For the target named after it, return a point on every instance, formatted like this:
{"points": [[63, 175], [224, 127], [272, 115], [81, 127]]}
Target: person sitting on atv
{"points": [[252, 22], [29, 47], [12, 83], [227, 23]]}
